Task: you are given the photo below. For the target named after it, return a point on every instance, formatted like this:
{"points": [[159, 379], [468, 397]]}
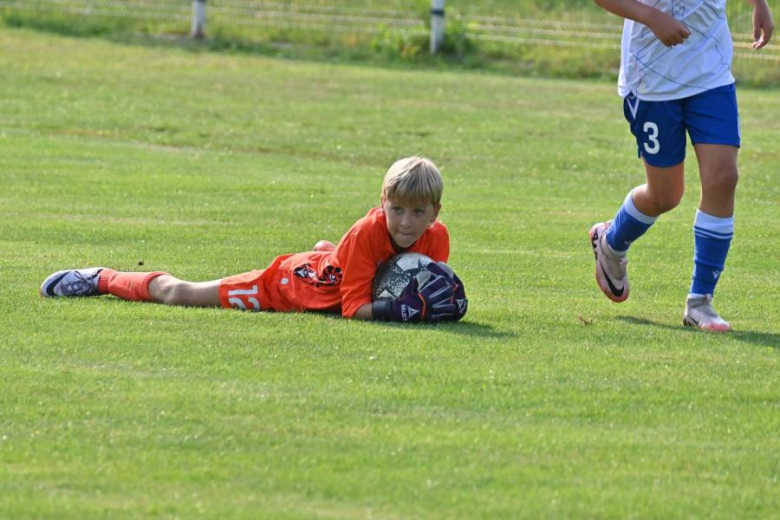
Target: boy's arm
{"points": [[665, 27], [364, 312], [763, 26], [359, 267]]}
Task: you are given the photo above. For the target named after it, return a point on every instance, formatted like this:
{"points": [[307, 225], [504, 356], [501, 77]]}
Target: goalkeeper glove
{"points": [[432, 302], [456, 308]]}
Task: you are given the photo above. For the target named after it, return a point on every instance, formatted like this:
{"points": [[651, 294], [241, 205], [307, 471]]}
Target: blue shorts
{"points": [[659, 126]]}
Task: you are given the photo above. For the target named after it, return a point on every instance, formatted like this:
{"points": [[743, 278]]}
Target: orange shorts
{"points": [[291, 283]]}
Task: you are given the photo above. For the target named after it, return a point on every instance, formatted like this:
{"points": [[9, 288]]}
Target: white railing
{"points": [[510, 30]]}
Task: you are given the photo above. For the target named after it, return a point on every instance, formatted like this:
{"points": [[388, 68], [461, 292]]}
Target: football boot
{"points": [[700, 314], [610, 267], [72, 282]]}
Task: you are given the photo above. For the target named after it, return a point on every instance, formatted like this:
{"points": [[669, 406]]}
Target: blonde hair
{"points": [[413, 179]]}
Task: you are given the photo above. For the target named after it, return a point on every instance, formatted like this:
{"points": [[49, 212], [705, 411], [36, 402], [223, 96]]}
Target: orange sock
{"points": [[128, 286]]}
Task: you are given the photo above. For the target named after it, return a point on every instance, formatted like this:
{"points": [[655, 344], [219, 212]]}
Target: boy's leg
{"points": [[663, 190], [719, 177], [172, 291], [639, 211], [644, 204], [712, 231], [159, 287], [660, 137], [128, 286], [149, 287], [713, 124]]}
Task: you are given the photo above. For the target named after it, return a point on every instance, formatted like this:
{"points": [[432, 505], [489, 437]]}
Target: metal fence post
{"points": [[198, 19], [437, 25]]}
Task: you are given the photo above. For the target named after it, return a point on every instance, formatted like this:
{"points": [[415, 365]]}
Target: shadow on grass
{"points": [[474, 330], [763, 339], [465, 328]]}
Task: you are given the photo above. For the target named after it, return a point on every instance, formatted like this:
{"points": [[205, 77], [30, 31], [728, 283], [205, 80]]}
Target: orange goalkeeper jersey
{"points": [[329, 281]]}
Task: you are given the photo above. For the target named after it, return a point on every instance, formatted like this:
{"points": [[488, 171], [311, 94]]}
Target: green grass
{"points": [[340, 39], [547, 401]]}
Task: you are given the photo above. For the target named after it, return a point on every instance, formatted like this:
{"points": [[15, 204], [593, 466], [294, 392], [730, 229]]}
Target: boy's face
{"points": [[407, 221]]}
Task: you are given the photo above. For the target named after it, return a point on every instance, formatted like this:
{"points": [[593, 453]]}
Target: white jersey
{"points": [[654, 72]]}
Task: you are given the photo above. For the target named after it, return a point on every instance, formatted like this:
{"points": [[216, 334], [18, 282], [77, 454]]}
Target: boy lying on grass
{"points": [[331, 278]]}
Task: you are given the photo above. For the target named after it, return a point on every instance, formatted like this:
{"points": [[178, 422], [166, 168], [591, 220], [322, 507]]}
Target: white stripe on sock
{"points": [[720, 225], [632, 210]]}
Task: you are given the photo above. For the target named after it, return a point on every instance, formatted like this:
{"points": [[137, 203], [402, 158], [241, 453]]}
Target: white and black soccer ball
{"points": [[394, 275]]}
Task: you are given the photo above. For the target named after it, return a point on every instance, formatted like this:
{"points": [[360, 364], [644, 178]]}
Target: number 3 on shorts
{"points": [[652, 146]]}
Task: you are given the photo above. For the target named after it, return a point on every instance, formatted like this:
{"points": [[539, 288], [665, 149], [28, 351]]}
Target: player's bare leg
{"points": [[719, 177], [663, 190], [172, 291], [661, 193], [713, 229]]}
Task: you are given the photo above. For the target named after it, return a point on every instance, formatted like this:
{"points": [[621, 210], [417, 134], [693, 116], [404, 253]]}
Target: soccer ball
{"points": [[394, 275]]}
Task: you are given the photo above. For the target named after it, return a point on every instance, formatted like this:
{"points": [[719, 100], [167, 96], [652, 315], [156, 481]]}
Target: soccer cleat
{"points": [[72, 282], [610, 267], [700, 314]]}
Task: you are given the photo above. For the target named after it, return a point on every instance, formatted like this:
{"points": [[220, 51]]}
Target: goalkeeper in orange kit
{"points": [[331, 278]]}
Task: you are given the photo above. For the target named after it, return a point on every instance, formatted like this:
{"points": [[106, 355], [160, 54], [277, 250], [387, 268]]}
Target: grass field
{"points": [[547, 401], [572, 39]]}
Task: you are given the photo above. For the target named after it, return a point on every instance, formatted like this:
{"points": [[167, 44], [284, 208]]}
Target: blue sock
{"points": [[628, 225], [712, 238]]}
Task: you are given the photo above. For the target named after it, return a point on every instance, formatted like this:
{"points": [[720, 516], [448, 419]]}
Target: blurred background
{"points": [[554, 38]]}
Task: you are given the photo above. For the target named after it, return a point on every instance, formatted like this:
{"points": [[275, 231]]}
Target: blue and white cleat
{"points": [[72, 282]]}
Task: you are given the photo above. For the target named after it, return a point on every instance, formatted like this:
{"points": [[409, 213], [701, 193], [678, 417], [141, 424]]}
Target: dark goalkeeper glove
{"points": [[456, 308], [460, 299], [432, 302]]}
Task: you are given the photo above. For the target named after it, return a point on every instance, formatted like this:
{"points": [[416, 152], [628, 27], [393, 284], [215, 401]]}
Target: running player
{"points": [[675, 77]]}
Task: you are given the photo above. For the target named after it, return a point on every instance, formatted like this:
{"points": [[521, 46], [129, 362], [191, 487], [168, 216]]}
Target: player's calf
{"points": [[169, 290]]}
